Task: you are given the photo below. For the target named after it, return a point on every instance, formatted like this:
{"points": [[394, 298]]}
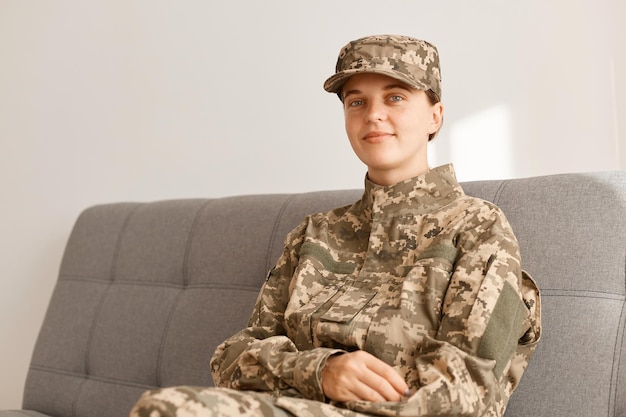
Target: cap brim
{"points": [[335, 83]]}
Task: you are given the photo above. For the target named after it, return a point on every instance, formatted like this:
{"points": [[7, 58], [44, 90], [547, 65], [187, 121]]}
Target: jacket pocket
{"points": [[423, 292], [343, 321]]}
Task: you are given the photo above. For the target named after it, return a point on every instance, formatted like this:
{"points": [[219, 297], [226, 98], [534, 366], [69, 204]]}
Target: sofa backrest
{"points": [[146, 291]]}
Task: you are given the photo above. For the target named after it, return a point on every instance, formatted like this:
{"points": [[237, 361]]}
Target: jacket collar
{"points": [[424, 193]]}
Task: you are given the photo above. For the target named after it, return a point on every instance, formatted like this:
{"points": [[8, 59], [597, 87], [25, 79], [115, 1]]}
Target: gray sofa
{"points": [[147, 290]]}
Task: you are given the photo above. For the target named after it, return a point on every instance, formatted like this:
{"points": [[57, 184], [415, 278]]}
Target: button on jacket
{"points": [[418, 274]]}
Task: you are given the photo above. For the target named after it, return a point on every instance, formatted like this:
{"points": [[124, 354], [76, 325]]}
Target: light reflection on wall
{"points": [[480, 146]]}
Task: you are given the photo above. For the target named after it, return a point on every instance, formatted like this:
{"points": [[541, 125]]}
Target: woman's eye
{"points": [[355, 103], [396, 98]]}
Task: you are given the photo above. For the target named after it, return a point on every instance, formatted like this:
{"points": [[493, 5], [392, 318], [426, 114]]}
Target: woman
{"points": [[410, 302]]}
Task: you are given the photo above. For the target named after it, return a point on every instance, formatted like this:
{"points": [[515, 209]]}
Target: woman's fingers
{"points": [[361, 376], [394, 380]]}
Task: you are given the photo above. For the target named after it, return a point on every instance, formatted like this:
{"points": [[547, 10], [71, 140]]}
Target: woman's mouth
{"points": [[377, 136]]}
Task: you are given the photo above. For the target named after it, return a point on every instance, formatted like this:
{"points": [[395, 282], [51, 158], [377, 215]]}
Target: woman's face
{"points": [[388, 124]]}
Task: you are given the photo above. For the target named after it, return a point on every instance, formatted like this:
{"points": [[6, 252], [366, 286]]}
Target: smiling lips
{"points": [[376, 136]]}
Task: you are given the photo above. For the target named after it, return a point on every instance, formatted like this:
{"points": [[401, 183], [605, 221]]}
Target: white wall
{"points": [[109, 100]]}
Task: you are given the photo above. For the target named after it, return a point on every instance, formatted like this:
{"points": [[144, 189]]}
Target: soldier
{"points": [[409, 302]]}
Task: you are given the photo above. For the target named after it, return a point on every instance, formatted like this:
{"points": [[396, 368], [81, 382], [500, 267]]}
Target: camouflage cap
{"points": [[410, 60]]}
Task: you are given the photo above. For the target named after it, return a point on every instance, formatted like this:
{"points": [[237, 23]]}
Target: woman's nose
{"points": [[376, 112]]}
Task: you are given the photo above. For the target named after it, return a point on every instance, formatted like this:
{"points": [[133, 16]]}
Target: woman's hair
{"points": [[433, 99]]}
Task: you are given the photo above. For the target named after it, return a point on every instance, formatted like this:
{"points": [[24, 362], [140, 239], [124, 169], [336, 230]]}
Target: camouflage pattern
{"points": [[418, 274], [198, 401], [410, 60]]}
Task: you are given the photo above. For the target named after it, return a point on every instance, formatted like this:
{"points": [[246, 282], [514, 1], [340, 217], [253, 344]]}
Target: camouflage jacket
{"points": [[420, 275]]}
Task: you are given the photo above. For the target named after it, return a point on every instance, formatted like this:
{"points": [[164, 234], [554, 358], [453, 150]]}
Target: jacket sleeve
{"points": [[489, 326], [261, 357]]}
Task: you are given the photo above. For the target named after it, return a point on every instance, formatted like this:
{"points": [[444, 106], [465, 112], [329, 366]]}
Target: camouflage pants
{"points": [[187, 401]]}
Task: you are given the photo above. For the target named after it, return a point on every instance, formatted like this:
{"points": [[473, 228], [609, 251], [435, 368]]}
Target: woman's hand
{"points": [[361, 376]]}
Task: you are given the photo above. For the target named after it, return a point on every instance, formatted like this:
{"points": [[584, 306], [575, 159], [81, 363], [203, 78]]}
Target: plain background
{"points": [[118, 100]]}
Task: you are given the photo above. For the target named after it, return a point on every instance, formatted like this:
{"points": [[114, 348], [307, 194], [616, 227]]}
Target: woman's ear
{"points": [[437, 117]]}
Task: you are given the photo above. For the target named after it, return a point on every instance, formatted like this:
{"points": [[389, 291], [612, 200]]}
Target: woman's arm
{"points": [[261, 357], [484, 316]]}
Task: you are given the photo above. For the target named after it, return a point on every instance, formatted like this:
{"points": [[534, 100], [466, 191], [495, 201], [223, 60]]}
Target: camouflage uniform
{"points": [[418, 274]]}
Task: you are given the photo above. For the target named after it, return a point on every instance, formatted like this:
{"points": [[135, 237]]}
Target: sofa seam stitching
{"points": [[181, 290], [192, 234], [168, 285], [112, 273], [604, 295], [90, 377], [584, 296], [618, 351], [269, 262], [499, 191], [615, 366]]}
